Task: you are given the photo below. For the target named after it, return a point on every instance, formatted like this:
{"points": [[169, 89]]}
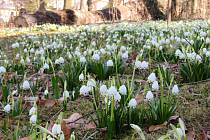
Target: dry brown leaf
{"points": [[9, 75], [141, 81], [60, 100], [76, 120], [173, 119], [90, 125], [30, 99], [203, 135], [1, 136], [50, 126], [153, 128], [134, 54], [66, 130], [47, 102], [139, 98], [25, 138], [190, 134]]}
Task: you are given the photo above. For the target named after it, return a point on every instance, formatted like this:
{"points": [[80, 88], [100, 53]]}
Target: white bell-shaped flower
{"points": [[152, 77], [175, 89], [155, 86], [149, 95], [32, 111], [103, 89], [132, 103], [7, 108], [56, 129], [46, 66], [84, 90], [123, 90], [109, 63], [33, 119], [81, 77], [26, 85]]}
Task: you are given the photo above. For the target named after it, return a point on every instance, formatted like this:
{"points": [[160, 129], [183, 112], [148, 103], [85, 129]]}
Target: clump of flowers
{"points": [[113, 105], [33, 114]]}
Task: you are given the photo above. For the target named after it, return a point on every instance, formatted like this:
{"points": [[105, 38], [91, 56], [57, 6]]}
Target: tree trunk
{"points": [[81, 4], [169, 11], [173, 9], [68, 4], [42, 6], [64, 4], [89, 4]]}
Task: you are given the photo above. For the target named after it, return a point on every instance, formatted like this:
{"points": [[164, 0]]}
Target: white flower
{"points": [[41, 51], [15, 45], [7, 108], [84, 90], [17, 56], [82, 59], [123, 90], [32, 50], [144, 65], [198, 58], [147, 46], [125, 56], [14, 92], [26, 85], [191, 42], [138, 64], [59, 60], [22, 61], [117, 96], [91, 83], [102, 50], [203, 34], [149, 95], [77, 53], [28, 60], [50, 138], [155, 85], [122, 48], [62, 137], [32, 111], [152, 77], [179, 132], [2, 69], [207, 40], [132, 103], [187, 34], [178, 53], [96, 57], [81, 77], [56, 129], [46, 66], [46, 92], [112, 91], [204, 50], [33, 119], [66, 94], [103, 89], [109, 63], [56, 61], [25, 50], [175, 89], [69, 55], [72, 137], [208, 53]]}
